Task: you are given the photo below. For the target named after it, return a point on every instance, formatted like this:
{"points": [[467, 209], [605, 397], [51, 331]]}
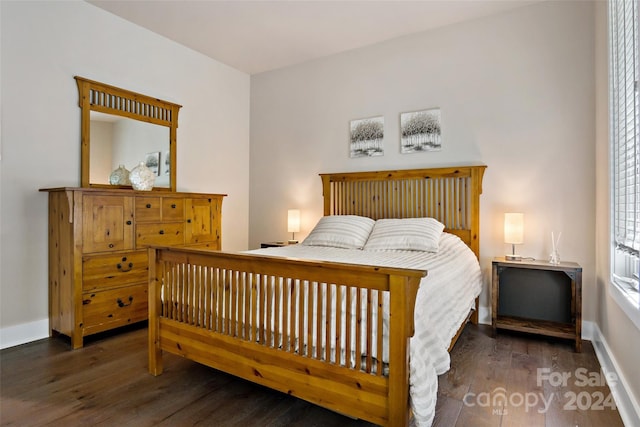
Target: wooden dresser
{"points": [[98, 260]]}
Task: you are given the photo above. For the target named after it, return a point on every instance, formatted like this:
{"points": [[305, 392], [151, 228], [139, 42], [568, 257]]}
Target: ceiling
{"points": [[258, 36]]}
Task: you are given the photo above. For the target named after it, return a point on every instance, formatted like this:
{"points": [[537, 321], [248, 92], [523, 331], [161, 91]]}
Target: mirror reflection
{"points": [[117, 140]]}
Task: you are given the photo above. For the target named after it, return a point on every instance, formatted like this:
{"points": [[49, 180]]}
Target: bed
{"points": [[335, 333]]}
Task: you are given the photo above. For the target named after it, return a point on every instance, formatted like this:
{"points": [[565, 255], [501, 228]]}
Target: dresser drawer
{"points": [[169, 234], [148, 208], [112, 308], [172, 209], [108, 271]]}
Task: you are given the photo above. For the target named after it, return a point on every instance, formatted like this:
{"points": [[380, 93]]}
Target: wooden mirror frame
{"points": [[96, 96]]}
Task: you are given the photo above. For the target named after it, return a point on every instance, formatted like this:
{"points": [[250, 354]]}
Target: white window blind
{"points": [[625, 129]]}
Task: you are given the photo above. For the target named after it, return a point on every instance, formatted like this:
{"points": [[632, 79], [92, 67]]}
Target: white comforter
{"points": [[444, 299]]}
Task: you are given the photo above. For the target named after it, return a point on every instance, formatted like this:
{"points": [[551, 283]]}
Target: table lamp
{"points": [[513, 233], [293, 223]]}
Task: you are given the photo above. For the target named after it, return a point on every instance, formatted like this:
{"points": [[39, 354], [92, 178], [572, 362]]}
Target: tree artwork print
{"points": [[420, 131], [366, 137]]}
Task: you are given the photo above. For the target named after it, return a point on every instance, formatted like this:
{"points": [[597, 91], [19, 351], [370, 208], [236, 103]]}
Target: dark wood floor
{"points": [[106, 384]]}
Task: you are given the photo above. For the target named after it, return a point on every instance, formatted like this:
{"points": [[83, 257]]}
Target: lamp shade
{"points": [[293, 220], [513, 228]]}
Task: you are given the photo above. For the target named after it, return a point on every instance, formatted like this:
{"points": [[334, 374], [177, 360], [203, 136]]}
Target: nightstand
{"points": [[276, 244], [537, 297]]}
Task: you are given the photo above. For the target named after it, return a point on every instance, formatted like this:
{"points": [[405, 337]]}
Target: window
{"points": [[625, 155]]}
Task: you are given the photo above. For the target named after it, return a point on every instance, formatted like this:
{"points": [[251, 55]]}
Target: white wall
{"points": [[44, 44], [516, 93]]}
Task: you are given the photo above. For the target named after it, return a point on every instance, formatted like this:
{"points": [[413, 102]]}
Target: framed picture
{"points": [[366, 137], [420, 131], [152, 161]]}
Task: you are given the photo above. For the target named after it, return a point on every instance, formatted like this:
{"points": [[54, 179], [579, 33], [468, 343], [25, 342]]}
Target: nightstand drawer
{"points": [[106, 271], [169, 234]]}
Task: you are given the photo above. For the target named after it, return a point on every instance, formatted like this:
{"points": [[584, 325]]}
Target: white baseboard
{"points": [[24, 333], [627, 404]]}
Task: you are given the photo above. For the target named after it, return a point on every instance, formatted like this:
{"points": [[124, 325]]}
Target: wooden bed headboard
{"points": [[451, 195]]}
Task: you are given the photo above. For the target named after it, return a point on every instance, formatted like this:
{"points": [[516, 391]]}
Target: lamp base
{"points": [[513, 257], [292, 242]]}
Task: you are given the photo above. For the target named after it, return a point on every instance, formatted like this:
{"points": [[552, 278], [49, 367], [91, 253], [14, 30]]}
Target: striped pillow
{"points": [[340, 231], [409, 234]]}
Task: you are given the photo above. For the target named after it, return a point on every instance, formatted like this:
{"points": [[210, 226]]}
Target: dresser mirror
{"points": [[120, 127]]}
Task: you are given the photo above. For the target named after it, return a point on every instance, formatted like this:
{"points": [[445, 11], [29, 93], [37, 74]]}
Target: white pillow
{"points": [[340, 231], [409, 234]]}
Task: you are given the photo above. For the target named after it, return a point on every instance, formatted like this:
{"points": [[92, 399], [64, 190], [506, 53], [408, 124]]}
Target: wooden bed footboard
{"points": [[311, 329]]}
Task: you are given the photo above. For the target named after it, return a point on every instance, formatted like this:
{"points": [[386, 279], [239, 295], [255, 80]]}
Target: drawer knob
{"points": [[128, 222], [148, 205], [161, 231], [122, 304], [119, 266], [173, 206], [189, 221]]}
